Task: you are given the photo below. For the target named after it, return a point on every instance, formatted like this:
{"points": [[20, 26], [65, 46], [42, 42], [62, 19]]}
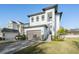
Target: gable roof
{"points": [[9, 30], [20, 22], [13, 22]]}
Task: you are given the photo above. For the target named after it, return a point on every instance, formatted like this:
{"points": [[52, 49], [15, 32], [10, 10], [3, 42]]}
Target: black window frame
{"points": [[49, 16], [43, 17], [32, 19], [37, 18]]}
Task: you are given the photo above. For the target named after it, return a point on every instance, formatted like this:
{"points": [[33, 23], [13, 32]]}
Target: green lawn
{"points": [[68, 46]]}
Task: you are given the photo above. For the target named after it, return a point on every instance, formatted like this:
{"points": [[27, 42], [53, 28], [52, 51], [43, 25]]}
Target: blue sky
{"points": [[70, 17]]}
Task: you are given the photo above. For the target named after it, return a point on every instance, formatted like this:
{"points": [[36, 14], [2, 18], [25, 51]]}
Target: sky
{"points": [[19, 12]]}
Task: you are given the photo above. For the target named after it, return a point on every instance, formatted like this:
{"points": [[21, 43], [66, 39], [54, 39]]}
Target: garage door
{"points": [[34, 34]]}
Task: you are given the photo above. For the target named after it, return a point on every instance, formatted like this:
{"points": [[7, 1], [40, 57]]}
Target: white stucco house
{"points": [[12, 30], [8, 34], [43, 24], [17, 25]]}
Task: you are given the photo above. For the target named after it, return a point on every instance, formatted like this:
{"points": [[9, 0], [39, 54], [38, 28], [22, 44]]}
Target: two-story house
{"points": [[17, 26], [12, 30], [43, 24], [13, 25]]}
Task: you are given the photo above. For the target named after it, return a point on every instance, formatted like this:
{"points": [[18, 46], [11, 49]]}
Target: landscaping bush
{"points": [[57, 36], [18, 37], [24, 37], [21, 37], [2, 38]]}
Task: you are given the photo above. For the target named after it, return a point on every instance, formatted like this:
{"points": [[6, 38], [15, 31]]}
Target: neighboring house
{"points": [[8, 34], [44, 23], [13, 25], [72, 33], [21, 27], [17, 26], [1, 33]]}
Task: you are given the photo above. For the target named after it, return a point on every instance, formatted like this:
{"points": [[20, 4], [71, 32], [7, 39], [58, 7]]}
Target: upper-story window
{"points": [[3, 34], [37, 18], [43, 17], [32, 19], [49, 16]]}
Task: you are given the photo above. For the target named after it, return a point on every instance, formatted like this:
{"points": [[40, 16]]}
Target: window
{"points": [[42, 17], [3, 34], [32, 19], [37, 18], [49, 16]]}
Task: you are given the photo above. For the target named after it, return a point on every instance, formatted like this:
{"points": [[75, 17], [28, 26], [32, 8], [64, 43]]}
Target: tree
{"points": [[21, 37], [60, 32]]}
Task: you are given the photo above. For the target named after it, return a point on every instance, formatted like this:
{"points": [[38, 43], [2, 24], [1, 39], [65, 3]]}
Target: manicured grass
{"points": [[68, 46]]}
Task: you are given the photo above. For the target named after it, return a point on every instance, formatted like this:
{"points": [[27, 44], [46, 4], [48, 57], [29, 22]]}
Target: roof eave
{"points": [[35, 14], [36, 26], [47, 8]]}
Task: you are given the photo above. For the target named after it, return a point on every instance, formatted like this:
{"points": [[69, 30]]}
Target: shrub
{"points": [[58, 34], [21, 37], [58, 38], [0, 38], [62, 31], [3, 38], [24, 37]]}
